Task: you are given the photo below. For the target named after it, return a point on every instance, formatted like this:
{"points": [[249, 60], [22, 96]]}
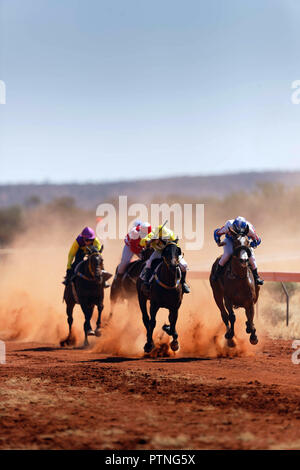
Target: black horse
{"points": [[125, 288], [165, 292], [87, 290]]}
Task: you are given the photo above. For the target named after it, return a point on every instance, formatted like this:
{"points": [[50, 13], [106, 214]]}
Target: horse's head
{"points": [[95, 262], [170, 255], [241, 249]]}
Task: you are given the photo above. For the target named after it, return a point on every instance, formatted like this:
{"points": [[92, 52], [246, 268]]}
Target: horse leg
{"points": [[88, 313], [115, 292], [219, 299], [143, 306], [100, 307], [151, 325], [250, 325], [69, 340], [171, 329], [231, 317]]}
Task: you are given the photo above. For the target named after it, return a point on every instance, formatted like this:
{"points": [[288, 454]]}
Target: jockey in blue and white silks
{"points": [[237, 226]]}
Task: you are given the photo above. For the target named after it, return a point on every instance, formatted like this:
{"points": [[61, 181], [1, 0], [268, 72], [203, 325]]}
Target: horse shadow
{"points": [[181, 359], [113, 360], [119, 359], [53, 349]]}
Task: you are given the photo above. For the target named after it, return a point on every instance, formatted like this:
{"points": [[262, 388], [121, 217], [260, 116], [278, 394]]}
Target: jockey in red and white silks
{"points": [[239, 226], [132, 244]]}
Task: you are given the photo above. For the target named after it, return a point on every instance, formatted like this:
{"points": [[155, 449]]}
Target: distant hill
{"points": [[89, 195]]}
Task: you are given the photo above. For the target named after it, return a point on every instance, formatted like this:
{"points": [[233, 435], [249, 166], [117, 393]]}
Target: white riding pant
{"points": [[157, 254], [228, 251], [127, 255]]}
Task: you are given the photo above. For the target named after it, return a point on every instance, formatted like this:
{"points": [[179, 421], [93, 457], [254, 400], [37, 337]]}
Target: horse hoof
{"points": [[148, 347], [230, 343], [90, 332], [229, 335], [67, 342], [174, 345], [98, 332], [253, 340], [166, 329]]}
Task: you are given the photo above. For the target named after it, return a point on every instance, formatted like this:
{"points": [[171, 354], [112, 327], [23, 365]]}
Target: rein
{"points": [[162, 284], [83, 276], [165, 285], [232, 273]]}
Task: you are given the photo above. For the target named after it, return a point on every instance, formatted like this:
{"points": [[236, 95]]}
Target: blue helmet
{"points": [[240, 225]]}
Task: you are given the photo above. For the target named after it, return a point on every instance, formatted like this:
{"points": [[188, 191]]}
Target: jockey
{"points": [[132, 246], [237, 226], [158, 240], [79, 249]]}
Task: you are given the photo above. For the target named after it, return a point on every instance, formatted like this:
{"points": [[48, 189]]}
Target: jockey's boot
{"points": [[118, 279], [68, 276], [106, 284], [147, 276], [185, 287], [218, 272], [257, 279]]}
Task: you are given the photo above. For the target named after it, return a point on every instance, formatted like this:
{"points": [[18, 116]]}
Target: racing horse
{"points": [[126, 289], [86, 289], [236, 288], [165, 292]]}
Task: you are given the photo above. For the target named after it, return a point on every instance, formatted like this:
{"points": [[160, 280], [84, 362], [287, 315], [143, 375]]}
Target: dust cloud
{"points": [[31, 293]]}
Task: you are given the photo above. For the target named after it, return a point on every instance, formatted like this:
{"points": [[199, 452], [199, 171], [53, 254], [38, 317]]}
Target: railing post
{"points": [[287, 303]]}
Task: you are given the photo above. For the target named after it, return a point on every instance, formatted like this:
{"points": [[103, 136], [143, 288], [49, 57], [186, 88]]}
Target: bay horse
{"points": [[87, 290], [165, 292], [126, 289], [236, 288]]}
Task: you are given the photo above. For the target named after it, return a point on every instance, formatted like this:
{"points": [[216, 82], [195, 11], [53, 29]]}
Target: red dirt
{"points": [[53, 398]]}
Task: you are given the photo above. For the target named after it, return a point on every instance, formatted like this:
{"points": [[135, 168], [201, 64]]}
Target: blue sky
{"points": [[110, 90]]}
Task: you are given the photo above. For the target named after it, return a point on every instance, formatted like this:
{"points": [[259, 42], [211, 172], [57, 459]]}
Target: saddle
{"points": [[154, 278]]}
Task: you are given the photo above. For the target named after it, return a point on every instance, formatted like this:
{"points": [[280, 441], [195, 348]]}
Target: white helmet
{"points": [[137, 222], [145, 228]]}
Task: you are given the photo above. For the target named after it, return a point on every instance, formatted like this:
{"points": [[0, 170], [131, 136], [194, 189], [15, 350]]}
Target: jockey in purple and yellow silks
{"points": [[79, 249]]}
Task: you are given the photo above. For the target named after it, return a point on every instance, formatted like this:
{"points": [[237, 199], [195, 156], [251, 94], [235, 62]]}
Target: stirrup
{"points": [[185, 288]]}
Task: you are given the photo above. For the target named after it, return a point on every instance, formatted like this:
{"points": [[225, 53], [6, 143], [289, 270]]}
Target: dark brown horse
{"points": [[87, 290], [125, 289], [165, 292], [236, 288]]}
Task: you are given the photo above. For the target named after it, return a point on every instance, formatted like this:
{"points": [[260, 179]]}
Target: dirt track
{"points": [[54, 398]]}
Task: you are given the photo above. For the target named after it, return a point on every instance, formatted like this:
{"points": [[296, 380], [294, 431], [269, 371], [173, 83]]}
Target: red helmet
{"points": [[88, 233]]}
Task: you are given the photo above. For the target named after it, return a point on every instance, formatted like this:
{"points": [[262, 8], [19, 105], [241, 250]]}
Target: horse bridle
{"points": [[86, 278], [164, 258], [165, 286], [236, 253]]}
